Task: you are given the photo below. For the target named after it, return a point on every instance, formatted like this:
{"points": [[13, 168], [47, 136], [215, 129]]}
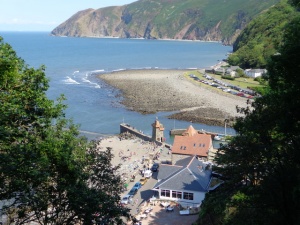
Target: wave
{"points": [[85, 80], [118, 70], [69, 80], [96, 71]]}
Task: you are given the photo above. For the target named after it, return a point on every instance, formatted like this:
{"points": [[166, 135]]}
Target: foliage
{"points": [[261, 37], [169, 17], [240, 73], [228, 77], [262, 162], [48, 174]]}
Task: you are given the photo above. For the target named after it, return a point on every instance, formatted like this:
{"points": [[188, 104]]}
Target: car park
{"points": [[137, 185]]}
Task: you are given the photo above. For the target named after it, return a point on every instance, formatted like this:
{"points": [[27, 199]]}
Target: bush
{"points": [[228, 77]]}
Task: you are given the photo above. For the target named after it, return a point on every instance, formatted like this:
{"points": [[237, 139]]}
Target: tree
{"points": [[49, 175], [262, 163], [261, 37]]}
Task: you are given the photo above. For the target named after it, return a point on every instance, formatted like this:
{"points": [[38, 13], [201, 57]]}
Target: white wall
{"points": [[198, 197]]}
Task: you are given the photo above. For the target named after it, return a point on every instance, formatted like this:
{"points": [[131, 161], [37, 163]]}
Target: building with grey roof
{"points": [[186, 182]]}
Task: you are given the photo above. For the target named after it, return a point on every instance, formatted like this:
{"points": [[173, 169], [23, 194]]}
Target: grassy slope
{"points": [[259, 40], [171, 16]]}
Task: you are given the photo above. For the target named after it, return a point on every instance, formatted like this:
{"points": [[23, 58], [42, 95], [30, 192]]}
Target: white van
{"points": [[148, 173]]}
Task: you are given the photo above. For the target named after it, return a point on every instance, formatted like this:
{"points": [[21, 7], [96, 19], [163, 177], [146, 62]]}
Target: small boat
{"points": [[217, 138]]}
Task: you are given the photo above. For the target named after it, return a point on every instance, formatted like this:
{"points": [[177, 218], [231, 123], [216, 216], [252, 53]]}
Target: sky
{"points": [[45, 15]]}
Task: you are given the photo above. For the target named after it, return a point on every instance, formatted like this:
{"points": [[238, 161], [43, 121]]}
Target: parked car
{"points": [[137, 185], [133, 191], [148, 173], [155, 167], [143, 180], [126, 199]]}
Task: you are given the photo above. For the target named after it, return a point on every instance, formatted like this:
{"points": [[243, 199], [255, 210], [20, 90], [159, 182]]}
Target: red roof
{"points": [[192, 143], [191, 131]]}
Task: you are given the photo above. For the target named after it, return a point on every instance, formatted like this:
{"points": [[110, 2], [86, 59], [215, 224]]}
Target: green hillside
{"points": [[260, 39], [208, 20]]}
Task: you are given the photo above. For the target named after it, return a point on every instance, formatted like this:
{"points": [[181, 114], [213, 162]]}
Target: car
{"points": [[137, 185], [133, 192], [126, 199], [143, 180], [148, 173], [155, 167]]}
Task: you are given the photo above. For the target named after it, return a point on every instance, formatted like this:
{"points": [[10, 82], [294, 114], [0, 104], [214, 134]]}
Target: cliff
{"points": [[207, 20]]}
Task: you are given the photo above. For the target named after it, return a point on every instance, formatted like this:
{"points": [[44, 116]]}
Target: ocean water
{"points": [[72, 65]]}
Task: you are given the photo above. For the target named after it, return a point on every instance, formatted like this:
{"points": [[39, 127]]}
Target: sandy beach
{"points": [[151, 91], [132, 154]]}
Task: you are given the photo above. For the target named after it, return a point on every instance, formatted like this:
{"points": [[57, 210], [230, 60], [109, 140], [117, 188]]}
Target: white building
{"points": [[255, 72], [186, 182]]}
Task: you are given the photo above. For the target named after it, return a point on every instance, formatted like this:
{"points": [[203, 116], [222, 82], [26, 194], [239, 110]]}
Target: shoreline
{"points": [[148, 91]]}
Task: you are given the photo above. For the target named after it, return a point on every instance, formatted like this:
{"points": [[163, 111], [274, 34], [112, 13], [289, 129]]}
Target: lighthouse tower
{"points": [[158, 131]]}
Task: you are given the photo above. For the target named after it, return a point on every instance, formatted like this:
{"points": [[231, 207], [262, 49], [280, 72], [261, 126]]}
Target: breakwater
{"points": [[125, 127]]}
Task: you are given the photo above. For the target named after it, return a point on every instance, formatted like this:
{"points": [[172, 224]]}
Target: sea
{"points": [[73, 65]]}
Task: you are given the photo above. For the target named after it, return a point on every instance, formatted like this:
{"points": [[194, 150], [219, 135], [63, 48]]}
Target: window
{"points": [[177, 194], [188, 196], [165, 193]]}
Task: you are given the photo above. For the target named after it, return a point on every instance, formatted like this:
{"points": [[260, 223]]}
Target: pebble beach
{"points": [[151, 91]]}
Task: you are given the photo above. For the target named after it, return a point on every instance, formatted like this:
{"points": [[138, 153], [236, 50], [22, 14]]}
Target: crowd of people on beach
{"points": [[133, 154]]}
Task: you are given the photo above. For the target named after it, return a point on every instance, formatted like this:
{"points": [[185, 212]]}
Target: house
{"points": [[191, 143], [232, 70], [255, 72], [186, 182]]}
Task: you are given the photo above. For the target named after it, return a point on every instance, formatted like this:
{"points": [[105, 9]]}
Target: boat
{"points": [[217, 138]]}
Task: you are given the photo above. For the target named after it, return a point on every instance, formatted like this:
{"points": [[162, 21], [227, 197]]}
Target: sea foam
{"points": [[69, 80]]}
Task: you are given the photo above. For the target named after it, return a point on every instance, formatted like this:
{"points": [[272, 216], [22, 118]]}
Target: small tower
{"points": [[158, 131]]}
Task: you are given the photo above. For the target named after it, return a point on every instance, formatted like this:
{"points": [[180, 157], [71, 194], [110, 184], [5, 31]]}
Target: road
{"points": [[143, 194]]}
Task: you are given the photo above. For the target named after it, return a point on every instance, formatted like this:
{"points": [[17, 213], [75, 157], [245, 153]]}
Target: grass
{"points": [[240, 82]]}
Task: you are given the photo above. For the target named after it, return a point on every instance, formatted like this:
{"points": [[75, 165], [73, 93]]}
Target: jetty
{"points": [[157, 133], [213, 135]]}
